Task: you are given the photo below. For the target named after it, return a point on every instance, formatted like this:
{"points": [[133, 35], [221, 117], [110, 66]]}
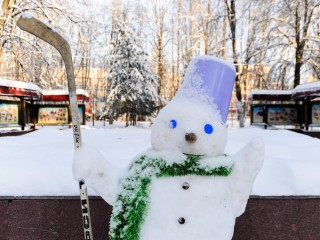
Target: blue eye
{"points": [[173, 123], [208, 129]]}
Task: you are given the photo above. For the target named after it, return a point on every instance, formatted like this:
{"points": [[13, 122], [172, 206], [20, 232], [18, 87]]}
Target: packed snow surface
{"points": [[40, 163]]}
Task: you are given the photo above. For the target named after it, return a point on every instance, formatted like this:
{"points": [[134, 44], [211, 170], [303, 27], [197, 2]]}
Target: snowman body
{"points": [[188, 208], [185, 187]]}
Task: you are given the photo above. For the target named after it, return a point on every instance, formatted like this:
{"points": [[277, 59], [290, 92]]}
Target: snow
{"points": [[34, 87], [27, 15], [210, 204], [269, 92], [220, 184], [306, 87], [40, 163], [64, 92], [167, 192], [90, 165], [291, 161], [130, 76], [165, 138]]}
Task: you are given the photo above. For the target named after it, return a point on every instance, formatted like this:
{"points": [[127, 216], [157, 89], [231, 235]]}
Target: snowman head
{"points": [[189, 127], [194, 121]]}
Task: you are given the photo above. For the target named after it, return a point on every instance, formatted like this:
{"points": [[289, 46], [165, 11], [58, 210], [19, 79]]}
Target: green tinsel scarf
{"points": [[129, 210]]}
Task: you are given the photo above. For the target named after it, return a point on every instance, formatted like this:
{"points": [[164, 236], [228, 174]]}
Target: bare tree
{"points": [[158, 32], [294, 21], [6, 11], [272, 43], [27, 57], [231, 13]]}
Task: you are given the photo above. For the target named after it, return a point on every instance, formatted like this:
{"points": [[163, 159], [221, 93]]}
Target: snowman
{"points": [[185, 187]]}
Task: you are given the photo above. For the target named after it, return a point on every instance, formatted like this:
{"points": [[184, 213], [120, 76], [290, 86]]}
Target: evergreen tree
{"points": [[131, 83]]}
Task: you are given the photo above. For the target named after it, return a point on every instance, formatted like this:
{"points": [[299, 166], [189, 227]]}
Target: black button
{"points": [[185, 186], [181, 220]]}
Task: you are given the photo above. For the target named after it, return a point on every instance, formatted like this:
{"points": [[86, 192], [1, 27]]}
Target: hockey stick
{"points": [[38, 28]]}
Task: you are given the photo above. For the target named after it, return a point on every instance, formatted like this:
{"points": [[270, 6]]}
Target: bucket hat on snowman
{"points": [[209, 80]]}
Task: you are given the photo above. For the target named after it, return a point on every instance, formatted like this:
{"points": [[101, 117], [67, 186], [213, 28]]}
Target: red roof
{"points": [[20, 92], [32, 91], [64, 97]]}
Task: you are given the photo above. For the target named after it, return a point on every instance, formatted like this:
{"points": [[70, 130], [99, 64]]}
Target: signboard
{"points": [[81, 114], [53, 115], [257, 114], [315, 113], [282, 115], [9, 113]]}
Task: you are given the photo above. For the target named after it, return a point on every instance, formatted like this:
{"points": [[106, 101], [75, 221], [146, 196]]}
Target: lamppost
{"points": [[93, 110]]}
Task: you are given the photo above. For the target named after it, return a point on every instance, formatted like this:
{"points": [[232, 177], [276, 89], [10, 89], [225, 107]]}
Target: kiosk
{"points": [[299, 107], [24, 103]]}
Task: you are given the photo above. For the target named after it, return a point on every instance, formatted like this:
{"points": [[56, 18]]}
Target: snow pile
{"points": [[40, 163], [291, 161]]}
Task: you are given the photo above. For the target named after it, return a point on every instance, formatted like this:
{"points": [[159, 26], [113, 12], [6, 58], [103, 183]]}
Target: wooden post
{"points": [[23, 113], [306, 112], [265, 116]]}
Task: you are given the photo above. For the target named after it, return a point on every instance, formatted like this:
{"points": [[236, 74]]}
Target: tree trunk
{"points": [[297, 70], [178, 43], [127, 118], [206, 33], [231, 12], [111, 118], [224, 35], [298, 55], [160, 57], [6, 11], [240, 112], [173, 79]]}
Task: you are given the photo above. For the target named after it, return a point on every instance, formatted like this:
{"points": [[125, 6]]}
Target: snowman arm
{"points": [[247, 164], [102, 176]]}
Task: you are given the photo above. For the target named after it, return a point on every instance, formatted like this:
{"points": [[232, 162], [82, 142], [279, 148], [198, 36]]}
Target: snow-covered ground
{"points": [[40, 163]]}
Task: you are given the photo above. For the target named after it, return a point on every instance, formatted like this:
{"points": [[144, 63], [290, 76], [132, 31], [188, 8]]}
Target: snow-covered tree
{"points": [[131, 82]]}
